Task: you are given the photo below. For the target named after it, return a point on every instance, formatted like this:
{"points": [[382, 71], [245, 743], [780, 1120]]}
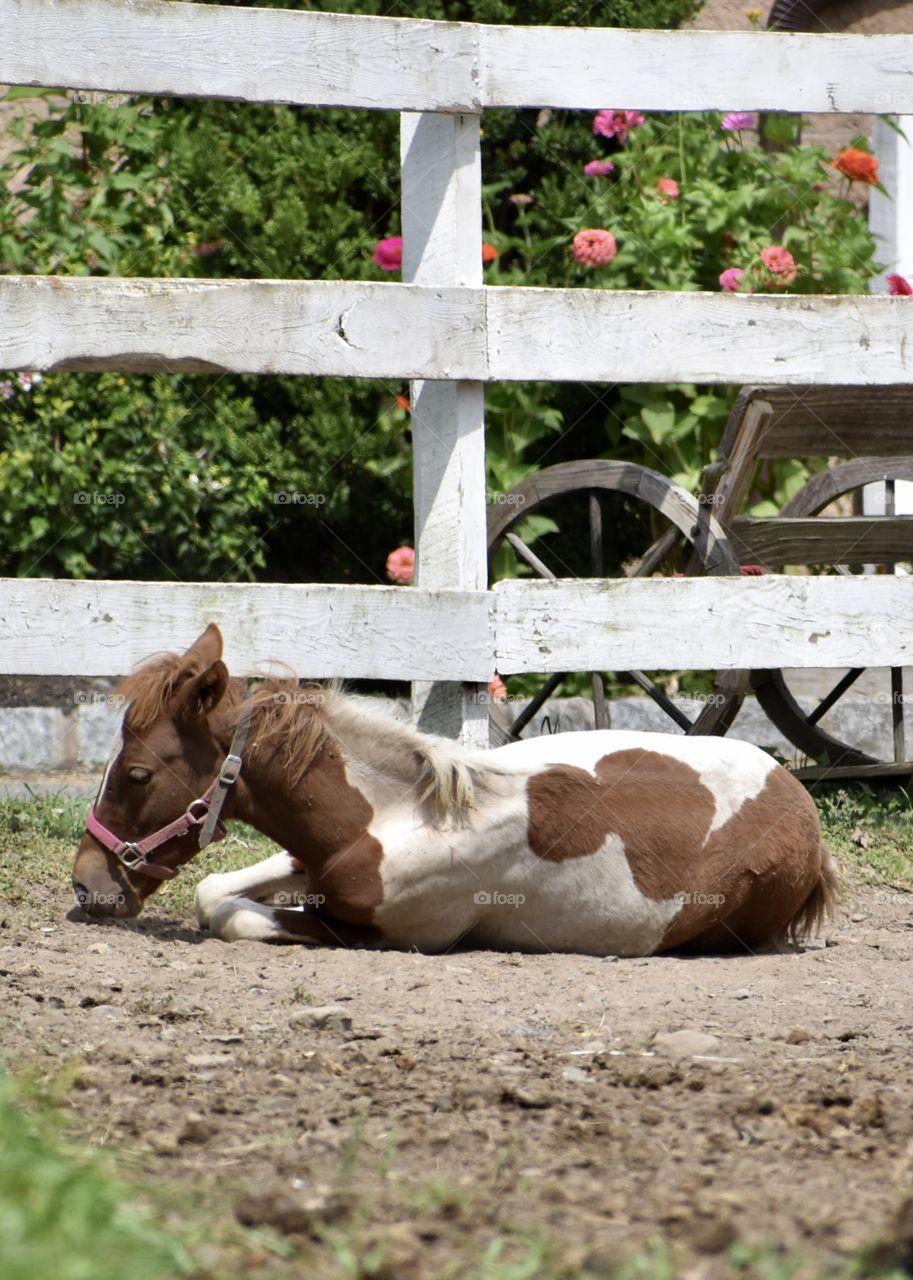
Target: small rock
{"points": [[209, 1059], [288, 1213], [742, 993], [196, 1129], [684, 1044], [574, 1075], [798, 1035], [861, 838], [164, 1144], [531, 1099], [324, 1017], [711, 1233], [99, 948], [107, 1011], [857, 919]]}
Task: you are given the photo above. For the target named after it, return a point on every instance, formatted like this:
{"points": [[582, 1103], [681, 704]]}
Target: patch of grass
{"points": [[872, 830], [62, 1215]]}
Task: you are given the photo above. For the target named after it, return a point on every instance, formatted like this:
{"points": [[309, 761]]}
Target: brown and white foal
{"points": [[609, 843]]}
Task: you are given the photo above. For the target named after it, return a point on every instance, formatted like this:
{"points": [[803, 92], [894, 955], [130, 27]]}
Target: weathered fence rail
{"points": [[450, 335], [367, 330], [404, 64]]}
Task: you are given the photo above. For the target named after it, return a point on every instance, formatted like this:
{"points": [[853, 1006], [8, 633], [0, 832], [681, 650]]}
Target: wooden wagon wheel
{"points": [[803, 727], [687, 518]]}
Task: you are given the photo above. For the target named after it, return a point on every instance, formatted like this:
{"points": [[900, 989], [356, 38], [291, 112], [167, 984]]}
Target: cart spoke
{"points": [[524, 552], [897, 705], [660, 698], [837, 692], [536, 702]]}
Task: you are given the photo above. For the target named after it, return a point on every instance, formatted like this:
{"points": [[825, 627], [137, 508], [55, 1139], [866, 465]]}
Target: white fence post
{"points": [[891, 223], [442, 245]]}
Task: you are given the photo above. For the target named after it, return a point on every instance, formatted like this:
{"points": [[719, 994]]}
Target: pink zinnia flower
{"points": [[731, 279], [751, 570], [7, 391], [497, 690], [780, 263], [401, 565], [616, 124], [389, 253], [668, 189], [898, 287], [736, 121], [594, 247], [598, 168]]}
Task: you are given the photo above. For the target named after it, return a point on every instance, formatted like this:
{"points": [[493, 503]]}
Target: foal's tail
{"points": [[818, 907]]}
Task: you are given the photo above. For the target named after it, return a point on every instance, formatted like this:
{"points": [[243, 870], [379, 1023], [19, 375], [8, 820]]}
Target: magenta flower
{"points": [[780, 263], [401, 565], [389, 253], [598, 168], [616, 124], [736, 121], [594, 247], [898, 287], [731, 279]]}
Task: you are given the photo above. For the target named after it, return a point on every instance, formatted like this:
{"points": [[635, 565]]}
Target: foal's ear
{"points": [[201, 694], [208, 646]]}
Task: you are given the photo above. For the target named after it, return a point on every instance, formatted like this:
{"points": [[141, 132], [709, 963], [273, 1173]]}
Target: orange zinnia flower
{"points": [[489, 252], [858, 166]]}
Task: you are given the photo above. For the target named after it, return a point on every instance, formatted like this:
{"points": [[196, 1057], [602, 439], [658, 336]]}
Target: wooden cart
{"points": [[866, 436]]}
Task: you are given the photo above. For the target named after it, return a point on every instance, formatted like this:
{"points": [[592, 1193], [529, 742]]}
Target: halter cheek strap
{"points": [[203, 812]]}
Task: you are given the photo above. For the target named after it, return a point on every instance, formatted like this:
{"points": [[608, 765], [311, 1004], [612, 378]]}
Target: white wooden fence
{"points": [[449, 334]]}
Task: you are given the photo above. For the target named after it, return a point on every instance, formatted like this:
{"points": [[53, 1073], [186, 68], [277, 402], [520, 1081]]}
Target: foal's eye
{"points": [[139, 775]]}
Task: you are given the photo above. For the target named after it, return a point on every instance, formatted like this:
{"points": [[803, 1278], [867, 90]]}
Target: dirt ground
{"points": [[783, 1118]]}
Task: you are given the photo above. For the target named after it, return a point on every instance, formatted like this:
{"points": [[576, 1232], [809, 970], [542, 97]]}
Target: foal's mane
{"points": [[294, 722]]}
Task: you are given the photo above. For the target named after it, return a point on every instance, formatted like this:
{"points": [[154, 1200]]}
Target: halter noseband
{"points": [[202, 812]]}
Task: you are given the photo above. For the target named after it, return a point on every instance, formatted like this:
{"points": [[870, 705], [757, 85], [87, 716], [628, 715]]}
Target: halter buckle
{"points": [[230, 770], [132, 856]]}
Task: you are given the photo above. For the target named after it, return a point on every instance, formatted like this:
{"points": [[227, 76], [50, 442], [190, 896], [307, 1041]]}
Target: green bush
{"points": [[149, 477]]}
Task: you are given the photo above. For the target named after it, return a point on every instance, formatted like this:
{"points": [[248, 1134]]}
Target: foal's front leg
{"points": [[277, 874]]}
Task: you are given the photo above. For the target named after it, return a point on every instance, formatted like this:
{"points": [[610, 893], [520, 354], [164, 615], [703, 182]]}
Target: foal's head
{"points": [[170, 750]]}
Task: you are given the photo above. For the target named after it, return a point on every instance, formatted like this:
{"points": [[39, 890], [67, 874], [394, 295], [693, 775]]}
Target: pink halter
{"points": [[202, 812]]}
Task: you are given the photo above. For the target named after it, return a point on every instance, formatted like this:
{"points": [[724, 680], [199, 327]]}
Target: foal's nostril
{"points": [[82, 893]]}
